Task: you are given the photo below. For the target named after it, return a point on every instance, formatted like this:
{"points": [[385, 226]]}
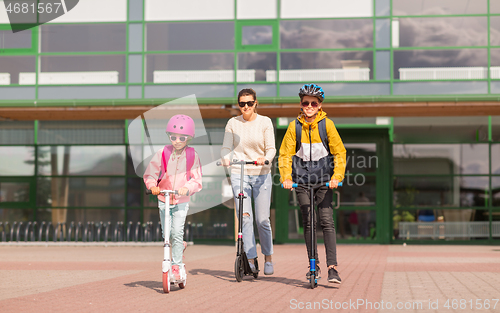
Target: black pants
{"points": [[323, 197]]}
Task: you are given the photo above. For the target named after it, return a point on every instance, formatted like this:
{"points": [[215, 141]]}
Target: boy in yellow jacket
{"points": [[312, 154]]}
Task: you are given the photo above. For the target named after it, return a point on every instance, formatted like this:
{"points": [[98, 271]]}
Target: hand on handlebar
{"points": [[226, 162], [333, 184], [261, 161], [288, 184], [155, 190]]}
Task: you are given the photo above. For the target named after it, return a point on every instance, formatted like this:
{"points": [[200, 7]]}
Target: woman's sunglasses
{"points": [[249, 103], [305, 104], [181, 138]]}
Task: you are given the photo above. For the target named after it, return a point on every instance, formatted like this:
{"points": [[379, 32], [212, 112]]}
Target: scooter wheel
{"points": [[238, 269], [255, 275], [312, 280], [166, 282]]}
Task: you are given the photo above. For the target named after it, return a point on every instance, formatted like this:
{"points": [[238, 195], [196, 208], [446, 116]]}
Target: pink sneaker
{"points": [[175, 272]]}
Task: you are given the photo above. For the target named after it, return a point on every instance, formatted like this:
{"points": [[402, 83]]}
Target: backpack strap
{"points": [[323, 135], [189, 161], [165, 156], [298, 135]]}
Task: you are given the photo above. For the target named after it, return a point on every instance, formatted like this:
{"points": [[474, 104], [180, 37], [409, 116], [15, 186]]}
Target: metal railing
{"points": [[448, 230], [84, 232]]}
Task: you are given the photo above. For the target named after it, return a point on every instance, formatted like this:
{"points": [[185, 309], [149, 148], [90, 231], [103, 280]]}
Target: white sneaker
{"points": [[268, 268], [252, 267]]}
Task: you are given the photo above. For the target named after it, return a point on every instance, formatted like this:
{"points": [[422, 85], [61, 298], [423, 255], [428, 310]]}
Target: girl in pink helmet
{"points": [[175, 167]]}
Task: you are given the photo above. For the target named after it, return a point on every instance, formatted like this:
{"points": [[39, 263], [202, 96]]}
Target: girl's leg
{"points": [[262, 186], [161, 207], [178, 217], [248, 235]]}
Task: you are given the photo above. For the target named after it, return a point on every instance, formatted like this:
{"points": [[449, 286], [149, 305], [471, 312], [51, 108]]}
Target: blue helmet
{"points": [[312, 90]]}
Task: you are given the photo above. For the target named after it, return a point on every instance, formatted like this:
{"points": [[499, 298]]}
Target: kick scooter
{"points": [[313, 280], [241, 266], [166, 265]]}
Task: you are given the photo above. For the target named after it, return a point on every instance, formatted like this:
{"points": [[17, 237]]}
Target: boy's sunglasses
{"points": [[305, 104], [181, 138], [249, 103]]}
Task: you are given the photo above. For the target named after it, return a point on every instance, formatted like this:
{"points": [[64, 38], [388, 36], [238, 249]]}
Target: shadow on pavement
{"points": [[229, 277], [153, 285]]}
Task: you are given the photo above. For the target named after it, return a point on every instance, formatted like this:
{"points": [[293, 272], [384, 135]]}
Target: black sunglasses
{"points": [[249, 103], [181, 138], [314, 104]]}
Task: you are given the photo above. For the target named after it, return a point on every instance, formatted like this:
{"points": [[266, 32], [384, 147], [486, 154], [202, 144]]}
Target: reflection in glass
{"points": [[14, 192], [134, 191], [19, 40], [83, 37], [358, 224], [84, 216], [190, 36], [495, 159], [441, 129], [17, 132], [13, 65], [358, 190], [432, 61], [15, 215], [443, 159], [17, 161], [343, 66], [110, 67], [81, 132], [326, 34], [443, 31], [81, 192], [495, 190], [258, 63], [81, 160], [495, 128], [361, 157], [441, 88], [438, 7], [189, 68], [256, 35], [383, 66], [451, 191]]}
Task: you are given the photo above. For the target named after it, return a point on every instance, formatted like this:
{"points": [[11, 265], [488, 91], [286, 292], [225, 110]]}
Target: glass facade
{"points": [[264, 44], [443, 171]]}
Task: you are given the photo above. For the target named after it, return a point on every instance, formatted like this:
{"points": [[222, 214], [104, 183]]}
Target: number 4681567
{"points": [[25, 8]]}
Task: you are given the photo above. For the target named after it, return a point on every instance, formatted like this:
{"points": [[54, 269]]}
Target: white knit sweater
{"points": [[248, 141]]}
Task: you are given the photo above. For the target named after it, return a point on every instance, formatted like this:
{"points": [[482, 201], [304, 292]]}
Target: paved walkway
{"points": [[128, 279]]}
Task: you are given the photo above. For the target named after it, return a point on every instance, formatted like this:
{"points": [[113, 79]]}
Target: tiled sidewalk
{"points": [[128, 279]]}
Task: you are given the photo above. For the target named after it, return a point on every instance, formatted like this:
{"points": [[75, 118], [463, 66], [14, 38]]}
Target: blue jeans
{"points": [[259, 188], [175, 221]]}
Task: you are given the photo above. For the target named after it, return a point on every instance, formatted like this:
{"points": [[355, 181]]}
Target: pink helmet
{"points": [[181, 124]]}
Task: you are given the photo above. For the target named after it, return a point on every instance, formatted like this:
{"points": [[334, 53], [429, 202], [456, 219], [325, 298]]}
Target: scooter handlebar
{"points": [[236, 162], [295, 185], [149, 192]]}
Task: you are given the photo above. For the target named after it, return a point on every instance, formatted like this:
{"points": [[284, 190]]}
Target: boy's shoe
{"points": [[333, 276], [318, 272], [252, 267], [175, 272], [268, 268]]}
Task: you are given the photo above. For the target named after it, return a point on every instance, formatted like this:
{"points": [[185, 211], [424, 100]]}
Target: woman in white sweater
{"points": [[250, 137]]}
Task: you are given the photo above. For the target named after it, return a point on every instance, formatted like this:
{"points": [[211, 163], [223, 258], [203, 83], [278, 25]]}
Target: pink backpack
{"points": [[165, 156]]}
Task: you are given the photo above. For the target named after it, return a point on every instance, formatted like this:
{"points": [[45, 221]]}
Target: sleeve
{"points": [[287, 150], [153, 170], [227, 144], [338, 151], [195, 183], [269, 141]]}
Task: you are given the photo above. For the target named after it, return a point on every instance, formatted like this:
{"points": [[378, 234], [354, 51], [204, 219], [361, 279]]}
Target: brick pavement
{"points": [[128, 279]]}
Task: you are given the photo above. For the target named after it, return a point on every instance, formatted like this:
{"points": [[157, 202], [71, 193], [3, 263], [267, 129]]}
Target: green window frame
{"points": [[240, 24], [21, 51]]}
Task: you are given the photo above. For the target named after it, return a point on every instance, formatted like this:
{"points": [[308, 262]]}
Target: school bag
{"points": [[165, 157]]}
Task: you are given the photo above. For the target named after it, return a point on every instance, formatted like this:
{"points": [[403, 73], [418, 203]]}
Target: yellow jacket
{"points": [[303, 155]]}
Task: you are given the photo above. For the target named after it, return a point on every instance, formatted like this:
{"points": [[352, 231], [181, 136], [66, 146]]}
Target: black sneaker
{"points": [[318, 272], [333, 276]]}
